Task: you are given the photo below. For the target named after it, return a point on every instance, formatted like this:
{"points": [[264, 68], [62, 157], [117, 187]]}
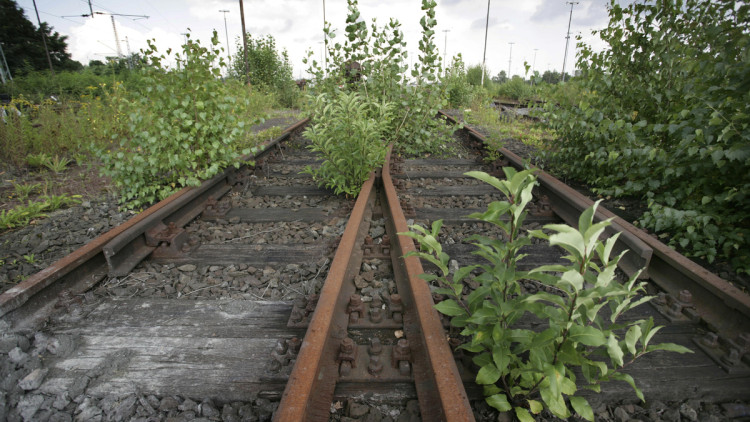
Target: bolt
{"points": [[710, 340], [377, 301], [376, 315], [404, 368], [375, 366], [401, 352], [396, 307], [661, 299], [732, 358], [368, 240], [685, 296], [375, 347], [355, 309], [294, 344], [386, 241], [345, 368], [674, 310], [172, 228]]}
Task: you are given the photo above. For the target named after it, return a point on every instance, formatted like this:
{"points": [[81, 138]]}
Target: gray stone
{"points": [[124, 409], [60, 417], [621, 415], [357, 410], [229, 414], [188, 406], [29, 405], [61, 401], [33, 380], [208, 410], [187, 267], [688, 412], [18, 356], [168, 403]]}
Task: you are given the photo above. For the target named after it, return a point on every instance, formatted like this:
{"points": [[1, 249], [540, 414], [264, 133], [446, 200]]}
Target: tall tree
{"points": [[23, 46]]}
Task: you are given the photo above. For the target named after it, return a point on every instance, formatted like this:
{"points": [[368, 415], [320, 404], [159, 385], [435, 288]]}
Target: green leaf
{"points": [[488, 374], [499, 402], [588, 335], [582, 407], [632, 337], [450, 307], [535, 406], [614, 350], [523, 415], [671, 347], [629, 379]]}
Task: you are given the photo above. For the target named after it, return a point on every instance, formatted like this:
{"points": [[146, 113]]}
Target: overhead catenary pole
{"points": [[445, 49], [117, 39], [510, 58], [244, 41], [226, 31], [567, 37], [44, 39], [484, 54], [325, 40], [4, 69], [533, 66]]}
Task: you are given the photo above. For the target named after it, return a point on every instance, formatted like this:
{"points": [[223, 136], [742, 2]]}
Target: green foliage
{"points": [[33, 133], [24, 190], [57, 164], [24, 214], [347, 131], [474, 76], [516, 89], [182, 126], [267, 69], [580, 328], [459, 91], [665, 115], [381, 59]]}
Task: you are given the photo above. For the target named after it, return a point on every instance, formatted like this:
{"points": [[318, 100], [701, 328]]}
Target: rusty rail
{"points": [[441, 392], [309, 391], [724, 307]]}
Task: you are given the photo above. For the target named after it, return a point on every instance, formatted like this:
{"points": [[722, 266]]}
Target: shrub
{"points": [[665, 116], [348, 131], [580, 327], [182, 126]]}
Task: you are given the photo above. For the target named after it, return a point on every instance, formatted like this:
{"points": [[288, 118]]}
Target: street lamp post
{"points": [[510, 58], [567, 37], [445, 49], [226, 32]]}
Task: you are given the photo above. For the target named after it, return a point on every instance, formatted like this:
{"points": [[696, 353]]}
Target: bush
{"points": [[268, 70], [519, 366], [516, 89], [348, 131], [665, 115], [182, 126]]}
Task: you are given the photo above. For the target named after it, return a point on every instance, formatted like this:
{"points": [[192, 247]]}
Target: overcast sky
{"points": [[531, 25]]}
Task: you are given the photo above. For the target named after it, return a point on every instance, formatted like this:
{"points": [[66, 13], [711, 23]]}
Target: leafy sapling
{"points": [[527, 370]]}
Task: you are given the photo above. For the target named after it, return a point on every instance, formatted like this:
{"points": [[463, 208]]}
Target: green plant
{"points": [[30, 259], [57, 164], [457, 87], [37, 160], [516, 89], [373, 62], [24, 214], [348, 131], [267, 69], [55, 202], [663, 115], [24, 190], [180, 127], [580, 329]]}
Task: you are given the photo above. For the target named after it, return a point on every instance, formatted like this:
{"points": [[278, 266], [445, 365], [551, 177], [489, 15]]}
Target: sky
{"points": [[537, 28]]}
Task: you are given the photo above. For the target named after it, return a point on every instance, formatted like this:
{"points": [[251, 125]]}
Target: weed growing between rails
{"points": [[181, 126], [373, 62], [524, 370], [348, 131]]}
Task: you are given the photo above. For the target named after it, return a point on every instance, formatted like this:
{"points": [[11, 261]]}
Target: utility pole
{"points": [[484, 54], [533, 67], [130, 55], [244, 41], [510, 58], [226, 32], [44, 39], [117, 39], [445, 49], [4, 69], [325, 41], [185, 34], [567, 37]]}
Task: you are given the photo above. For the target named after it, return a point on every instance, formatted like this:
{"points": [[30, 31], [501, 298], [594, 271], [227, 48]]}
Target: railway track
{"points": [[259, 293]]}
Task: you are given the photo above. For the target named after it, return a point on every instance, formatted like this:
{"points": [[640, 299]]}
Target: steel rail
{"points": [[441, 393], [724, 307], [86, 266], [309, 391]]}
